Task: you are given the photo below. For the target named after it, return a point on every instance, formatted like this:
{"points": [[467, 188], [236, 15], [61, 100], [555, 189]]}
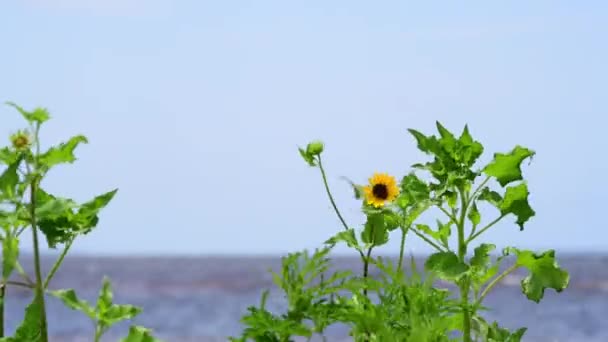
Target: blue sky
{"points": [[194, 109]]}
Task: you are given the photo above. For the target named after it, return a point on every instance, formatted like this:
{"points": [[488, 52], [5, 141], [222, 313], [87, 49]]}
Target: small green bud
{"points": [[314, 148]]}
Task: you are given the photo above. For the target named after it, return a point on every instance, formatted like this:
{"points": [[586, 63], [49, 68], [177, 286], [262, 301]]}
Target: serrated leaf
{"points": [[544, 273], [481, 256], [506, 168], [446, 265], [87, 214], [139, 334], [490, 196], [516, 202], [375, 232], [38, 115], [471, 149], [9, 180], [71, 300], [8, 156], [64, 153], [414, 189], [441, 234], [117, 313], [347, 236], [10, 254], [494, 333]]}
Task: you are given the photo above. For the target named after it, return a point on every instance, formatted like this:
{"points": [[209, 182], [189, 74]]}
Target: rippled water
{"points": [[201, 299]]}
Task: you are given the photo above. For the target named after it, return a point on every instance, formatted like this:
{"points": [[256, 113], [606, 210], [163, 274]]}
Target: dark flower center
{"points": [[380, 191]]}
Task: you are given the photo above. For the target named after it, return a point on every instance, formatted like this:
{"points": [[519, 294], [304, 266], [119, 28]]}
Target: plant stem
{"points": [[420, 235], [58, 263], [2, 296], [21, 272], [464, 282], [39, 284], [331, 198], [98, 333], [18, 283], [333, 203], [488, 226], [496, 280], [366, 268], [401, 248]]}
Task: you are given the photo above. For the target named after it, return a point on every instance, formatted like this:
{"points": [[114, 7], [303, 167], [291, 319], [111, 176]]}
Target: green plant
{"points": [[25, 205], [406, 308]]}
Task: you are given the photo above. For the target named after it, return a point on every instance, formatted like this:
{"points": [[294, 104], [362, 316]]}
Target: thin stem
{"points": [[402, 247], [2, 296], [333, 203], [331, 198], [98, 333], [475, 235], [22, 273], [464, 283], [39, 282], [447, 213], [18, 283], [366, 268], [496, 280], [58, 263], [485, 181], [420, 235]]}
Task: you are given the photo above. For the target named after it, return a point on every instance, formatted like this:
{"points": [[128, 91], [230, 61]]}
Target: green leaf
{"points": [[506, 167], [494, 333], [29, 329], [516, 202], [71, 300], [471, 149], [441, 234], [64, 153], [117, 313], [446, 265], [104, 300], [375, 232], [10, 254], [9, 180], [347, 236], [413, 189], [139, 334], [481, 270], [8, 156], [307, 157], [544, 273], [87, 214], [38, 115], [481, 256], [490, 196], [474, 215]]}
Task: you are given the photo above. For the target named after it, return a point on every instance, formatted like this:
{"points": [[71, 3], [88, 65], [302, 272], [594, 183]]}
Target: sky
{"points": [[195, 110]]}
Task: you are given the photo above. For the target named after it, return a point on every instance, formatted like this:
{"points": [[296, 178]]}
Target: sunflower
{"points": [[382, 188]]}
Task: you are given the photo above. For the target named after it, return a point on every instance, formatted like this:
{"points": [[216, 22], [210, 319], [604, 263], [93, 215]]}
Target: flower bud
{"points": [[314, 148]]}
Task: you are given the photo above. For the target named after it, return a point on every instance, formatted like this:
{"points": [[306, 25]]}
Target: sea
{"points": [[203, 298]]}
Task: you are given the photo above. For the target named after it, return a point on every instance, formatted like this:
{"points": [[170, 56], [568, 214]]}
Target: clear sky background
{"points": [[195, 109]]}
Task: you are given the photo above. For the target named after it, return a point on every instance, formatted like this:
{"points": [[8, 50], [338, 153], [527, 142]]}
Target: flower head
{"points": [[382, 189], [21, 140]]}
